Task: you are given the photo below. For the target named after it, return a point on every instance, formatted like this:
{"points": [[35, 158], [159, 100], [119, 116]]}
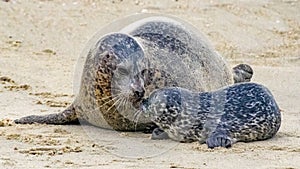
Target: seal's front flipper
{"points": [[219, 140], [159, 134], [68, 116]]}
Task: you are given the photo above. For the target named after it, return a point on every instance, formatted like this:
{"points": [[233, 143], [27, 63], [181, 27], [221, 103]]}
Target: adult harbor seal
{"points": [[123, 67], [241, 112]]}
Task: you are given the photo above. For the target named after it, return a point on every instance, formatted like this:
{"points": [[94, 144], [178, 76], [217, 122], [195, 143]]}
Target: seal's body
{"points": [[240, 112], [123, 67]]}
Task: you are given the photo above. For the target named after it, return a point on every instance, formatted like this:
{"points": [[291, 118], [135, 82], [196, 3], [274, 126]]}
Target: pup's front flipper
{"points": [[219, 140], [159, 134]]}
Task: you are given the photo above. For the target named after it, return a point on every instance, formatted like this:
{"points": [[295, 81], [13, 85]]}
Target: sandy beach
{"points": [[41, 41]]}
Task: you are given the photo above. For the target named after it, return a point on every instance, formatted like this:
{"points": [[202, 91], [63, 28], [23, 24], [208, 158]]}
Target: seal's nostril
{"points": [[139, 93], [137, 89]]}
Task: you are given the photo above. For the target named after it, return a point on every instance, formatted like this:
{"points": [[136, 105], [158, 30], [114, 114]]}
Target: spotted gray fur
{"points": [[240, 112]]}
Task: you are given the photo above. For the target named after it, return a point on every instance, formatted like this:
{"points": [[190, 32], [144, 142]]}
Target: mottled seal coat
{"points": [[240, 112], [122, 68]]}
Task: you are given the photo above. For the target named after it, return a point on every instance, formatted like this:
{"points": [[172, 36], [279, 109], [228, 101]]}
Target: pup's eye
{"points": [[123, 71]]}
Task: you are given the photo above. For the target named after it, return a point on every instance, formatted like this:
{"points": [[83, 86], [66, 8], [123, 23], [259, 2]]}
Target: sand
{"points": [[41, 40]]}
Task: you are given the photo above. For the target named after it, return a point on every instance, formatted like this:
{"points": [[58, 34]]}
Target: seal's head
{"points": [[163, 105], [127, 80], [126, 70], [119, 66]]}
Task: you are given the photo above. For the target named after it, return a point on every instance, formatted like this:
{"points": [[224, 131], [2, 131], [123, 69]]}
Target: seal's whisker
{"points": [[115, 89], [120, 104], [123, 104], [112, 96], [113, 105], [136, 115], [119, 100], [112, 99], [106, 103], [105, 98], [136, 118]]}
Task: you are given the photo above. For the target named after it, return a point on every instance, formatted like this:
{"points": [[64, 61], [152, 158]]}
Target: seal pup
{"points": [[241, 112]]}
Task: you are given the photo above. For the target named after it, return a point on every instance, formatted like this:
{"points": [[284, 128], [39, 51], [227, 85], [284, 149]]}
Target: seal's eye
{"points": [[123, 71]]}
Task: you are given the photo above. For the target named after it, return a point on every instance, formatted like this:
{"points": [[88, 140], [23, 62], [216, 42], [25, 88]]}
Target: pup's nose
{"points": [[139, 94], [138, 89]]}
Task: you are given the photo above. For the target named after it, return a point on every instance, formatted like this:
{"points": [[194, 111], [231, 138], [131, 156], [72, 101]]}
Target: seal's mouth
{"points": [[136, 100]]}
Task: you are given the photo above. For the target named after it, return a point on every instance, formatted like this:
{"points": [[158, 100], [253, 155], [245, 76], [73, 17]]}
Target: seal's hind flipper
{"points": [[242, 73], [68, 116]]}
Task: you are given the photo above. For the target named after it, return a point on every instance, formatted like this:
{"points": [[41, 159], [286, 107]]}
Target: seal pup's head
{"points": [[163, 105]]}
